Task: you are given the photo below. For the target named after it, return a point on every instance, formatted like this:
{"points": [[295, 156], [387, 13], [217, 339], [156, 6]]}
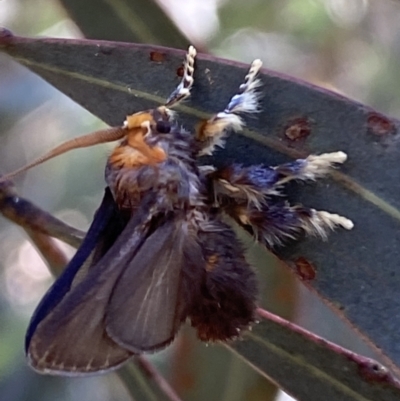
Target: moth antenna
{"points": [[182, 91], [94, 138], [246, 100], [211, 132]]}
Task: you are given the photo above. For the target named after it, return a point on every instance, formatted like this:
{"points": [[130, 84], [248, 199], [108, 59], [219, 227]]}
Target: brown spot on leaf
{"points": [[298, 128], [180, 71], [380, 125], [157, 57], [374, 372], [305, 269]]}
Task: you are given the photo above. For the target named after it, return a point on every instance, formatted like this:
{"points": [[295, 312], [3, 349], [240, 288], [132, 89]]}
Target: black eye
{"points": [[163, 127]]}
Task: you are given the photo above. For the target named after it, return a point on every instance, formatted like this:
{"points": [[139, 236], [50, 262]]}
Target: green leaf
{"points": [[140, 21], [311, 368], [355, 272]]}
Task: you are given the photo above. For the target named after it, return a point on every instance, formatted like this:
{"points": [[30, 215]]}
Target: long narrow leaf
{"points": [[125, 20], [311, 368]]}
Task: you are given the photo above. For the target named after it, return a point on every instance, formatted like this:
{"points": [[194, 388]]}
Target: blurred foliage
{"points": [[351, 47]]}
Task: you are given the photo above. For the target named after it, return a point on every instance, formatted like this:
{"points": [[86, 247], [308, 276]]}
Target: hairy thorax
{"points": [[159, 162]]}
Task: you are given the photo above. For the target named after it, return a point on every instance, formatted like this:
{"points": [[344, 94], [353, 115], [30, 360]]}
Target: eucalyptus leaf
{"points": [[311, 368], [125, 20]]}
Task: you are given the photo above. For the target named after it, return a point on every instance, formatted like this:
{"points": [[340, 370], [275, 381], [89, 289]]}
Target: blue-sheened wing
{"points": [[106, 226], [67, 333]]}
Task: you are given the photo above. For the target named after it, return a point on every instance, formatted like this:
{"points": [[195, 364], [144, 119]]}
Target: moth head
{"points": [[158, 121], [136, 128]]}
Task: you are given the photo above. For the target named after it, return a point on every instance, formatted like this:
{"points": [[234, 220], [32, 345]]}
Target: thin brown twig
{"points": [[153, 374], [29, 216], [50, 251]]}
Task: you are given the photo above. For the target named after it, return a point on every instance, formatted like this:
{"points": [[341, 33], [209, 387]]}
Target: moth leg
{"points": [[211, 132], [250, 195], [255, 183], [248, 185], [182, 91], [278, 221], [311, 168]]}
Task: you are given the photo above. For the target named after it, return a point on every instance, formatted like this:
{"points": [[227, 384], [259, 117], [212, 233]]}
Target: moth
{"points": [[159, 251]]}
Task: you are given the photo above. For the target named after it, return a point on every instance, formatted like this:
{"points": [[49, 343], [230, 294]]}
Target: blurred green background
{"points": [[351, 47]]}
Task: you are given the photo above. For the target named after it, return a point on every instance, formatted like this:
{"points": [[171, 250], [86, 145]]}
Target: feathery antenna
{"points": [[182, 91]]}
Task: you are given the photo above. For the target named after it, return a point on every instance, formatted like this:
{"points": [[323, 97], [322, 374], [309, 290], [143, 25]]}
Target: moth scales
{"points": [[158, 252]]}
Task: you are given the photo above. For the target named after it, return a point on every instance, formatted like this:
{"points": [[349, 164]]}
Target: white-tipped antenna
{"points": [[182, 91], [94, 138], [245, 101]]}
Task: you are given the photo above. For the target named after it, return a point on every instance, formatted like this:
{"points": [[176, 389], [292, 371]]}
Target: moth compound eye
{"points": [[163, 127]]}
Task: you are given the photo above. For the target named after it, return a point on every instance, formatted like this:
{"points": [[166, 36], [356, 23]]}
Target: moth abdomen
{"points": [[228, 290]]}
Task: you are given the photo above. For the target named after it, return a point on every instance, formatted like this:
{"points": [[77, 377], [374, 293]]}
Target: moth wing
{"points": [[105, 228], [151, 299], [69, 337]]}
